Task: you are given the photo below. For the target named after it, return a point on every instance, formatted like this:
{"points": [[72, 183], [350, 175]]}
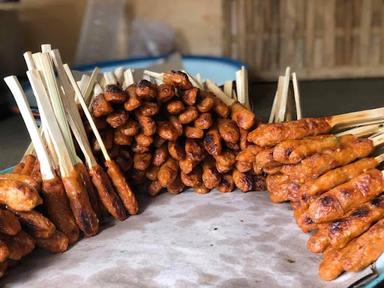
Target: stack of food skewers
{"points": [[105, 135]]}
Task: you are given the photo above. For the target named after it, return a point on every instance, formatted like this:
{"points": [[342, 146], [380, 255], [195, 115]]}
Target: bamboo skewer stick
{"points": [[228, 88], [119, 74], [110, 78], [90, 86], [361, 131], [194, 82], [276, 100], [357, 117], [128, 78], [284, 96], [296, 94], [38, 146], [87, 113], [219, 93], [377, 139]]}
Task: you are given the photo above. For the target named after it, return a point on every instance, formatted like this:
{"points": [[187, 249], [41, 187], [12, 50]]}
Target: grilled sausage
{"points": [[168, 172], [114, 94], [100, 107], [117, 118], [36, 224], [57, 243]]}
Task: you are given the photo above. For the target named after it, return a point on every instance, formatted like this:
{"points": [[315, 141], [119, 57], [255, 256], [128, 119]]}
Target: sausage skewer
{"points": [[121, 185], [53, 190]]}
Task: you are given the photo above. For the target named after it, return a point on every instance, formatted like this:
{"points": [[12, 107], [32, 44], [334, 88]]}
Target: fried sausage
{"points": [[167, 131], [243, 181], [334, 203], [331, 266], [194, 149], [193, 178], [244, 166], [36, 224], [131, 128], [204, 121], [225, 161], [243, 117], [177, 125], [158, 141], [36, 175], [100, 107], [107, 193], [154, 188], [57, 206], [272, 134], [211, 177], [193, 132], [176, 150], [168, 172], [114, 94], [19, 245], [176, 186], [201, 189], [177, 79], [4, 251], [221, 108], [148, 109], [190, 96], [226, 184], [143, 140], [136, 148], [29, 162], [280, 187], [18, 168], [189, 115], [121, 139], [206, 103], [264, 160], [165, 92], [187, 165], [243, 138], [92, 194], [175, 107], [160, 155], [133, 100], [141, 161], [122, 187], [57, 243], [80, 205], [249, 153], [9, 224], [18, 195], [146, 90], [147, 124], [151, 173], [26, 179], [318, 164], [212, 142], [228, 130], [117, 118]]}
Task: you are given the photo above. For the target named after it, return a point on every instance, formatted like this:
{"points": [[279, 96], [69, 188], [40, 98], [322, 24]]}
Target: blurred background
{"points": [[336, 47]]}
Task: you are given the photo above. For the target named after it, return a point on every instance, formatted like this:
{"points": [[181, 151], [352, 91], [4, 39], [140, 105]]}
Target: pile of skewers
{"points": [[105, 134], [332, 183]]}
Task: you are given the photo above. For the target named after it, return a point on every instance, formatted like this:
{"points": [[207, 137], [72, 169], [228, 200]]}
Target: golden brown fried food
{"points": [[122, 187], [225, 161], [4, 251], [280, 186], [244, 166], [18, 195], [29, 162], [333, 204], [177, 124], [36, 224], [160, 155], [158, 141], [121, 139], [167, 131], [148, 109], [176, 150], [264, 160], [147, 124], [136, 148], [18, 168], [206, 102], [36, 175], [141, 161], [243, 181], [243, 138], [146, 90], [193, 132], [57, 243], [175, 107], [131, 128], [117, 118], [233, 146], [143, 140], [227, 184], [176, 186], [114, 94], [272, 134], [177, 79], [151, 173], [187, 165], [204, 121], [228, 130], [107, 193], [9, 224], [190, 114], [211, 177], [212, 142], [221, 108], [92, 194], [100, 107], [201, 189], [57, 205], [19, 245], [82, 210], [165, 92], [133, 100], [190, 96], [154, 188], [331, 266], [249, 153], [194, 150], [243, 117], [168, 172], [194, 178]]}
